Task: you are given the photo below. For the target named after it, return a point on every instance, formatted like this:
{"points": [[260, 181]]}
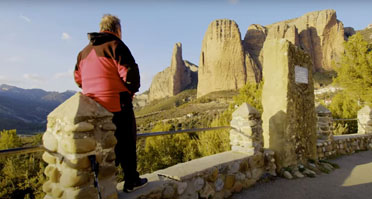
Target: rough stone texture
{"points": [[246, 134], [223, 60], [174, 79], [288, 130], [324, 123], [343, 145], [216, 176], [319, 33], [365, 120], [76, 129]]}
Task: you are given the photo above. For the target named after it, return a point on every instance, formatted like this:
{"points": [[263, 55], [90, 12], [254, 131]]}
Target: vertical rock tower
{"points": [[173, 79], [223, 61]]}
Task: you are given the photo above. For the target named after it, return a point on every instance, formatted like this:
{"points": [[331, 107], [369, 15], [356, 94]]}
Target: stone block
{"points": [[198, 183], [78, 145], [49, 158], [77, 163], [109, 126], [219, 184], [213, 175], [106, 171], [168, 192], [229, 181], [79, 127], [109, 141], [234, 167], [73, 178], [48, 186], [57, 192], [207, 191], [50, 142], [181, 187]]}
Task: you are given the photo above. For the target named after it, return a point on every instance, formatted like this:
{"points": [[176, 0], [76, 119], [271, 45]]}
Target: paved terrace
{"points": [[353, 180]]}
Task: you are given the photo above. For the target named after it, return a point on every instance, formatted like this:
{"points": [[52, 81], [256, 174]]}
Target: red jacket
{"points": [[106, 67]]}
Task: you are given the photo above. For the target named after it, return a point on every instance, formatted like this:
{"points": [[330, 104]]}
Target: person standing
{"points": [[107, 72]]}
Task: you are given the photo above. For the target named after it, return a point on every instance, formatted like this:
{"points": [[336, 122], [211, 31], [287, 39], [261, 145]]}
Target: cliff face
{"points": [[223, 60], [319, 33], [174, 79]]}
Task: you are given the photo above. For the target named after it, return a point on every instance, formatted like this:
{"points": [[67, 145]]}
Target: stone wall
{"points": [[343, 145], [76, 129], [217, 176], [289, 120]]}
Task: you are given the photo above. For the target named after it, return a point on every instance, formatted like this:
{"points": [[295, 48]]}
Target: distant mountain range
{"points": [[27, 109]]}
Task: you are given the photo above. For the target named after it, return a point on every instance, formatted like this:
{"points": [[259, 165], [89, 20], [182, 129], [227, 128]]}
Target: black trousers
{"points": [[126, 135]]}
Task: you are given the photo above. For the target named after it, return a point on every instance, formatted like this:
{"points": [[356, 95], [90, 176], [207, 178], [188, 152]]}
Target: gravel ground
{"points": [[352, 180]]}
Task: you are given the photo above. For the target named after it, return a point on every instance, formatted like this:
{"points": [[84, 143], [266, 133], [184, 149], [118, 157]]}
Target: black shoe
{"points": [[129, 187]]}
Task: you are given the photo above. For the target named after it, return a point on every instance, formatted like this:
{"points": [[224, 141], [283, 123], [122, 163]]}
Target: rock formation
{"points": [[174, 79], [224, 65], [319, 33], [288, 130]]}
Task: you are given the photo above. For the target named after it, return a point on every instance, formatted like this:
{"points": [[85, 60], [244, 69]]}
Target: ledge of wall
{"points": [[216, 176]]}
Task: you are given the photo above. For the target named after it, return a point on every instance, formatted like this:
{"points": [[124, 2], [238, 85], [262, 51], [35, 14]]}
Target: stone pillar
{"points": [[246, 132], [365, 120], [76, 129], [289, 120], [324, 123]]}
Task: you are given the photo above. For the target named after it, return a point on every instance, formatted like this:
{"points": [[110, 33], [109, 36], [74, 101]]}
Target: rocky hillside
{"points": [[26, 109], [367, 33], [180, 75], [318, 33]]}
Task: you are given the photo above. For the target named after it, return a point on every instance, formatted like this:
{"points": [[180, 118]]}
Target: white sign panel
{"points": [[301, 75]]}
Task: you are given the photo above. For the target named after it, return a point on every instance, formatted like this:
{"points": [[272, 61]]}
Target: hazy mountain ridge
{"points": [[26, 109]]}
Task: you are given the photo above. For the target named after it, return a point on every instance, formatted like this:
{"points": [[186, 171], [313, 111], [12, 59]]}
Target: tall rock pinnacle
{"points": [[174, 79]]}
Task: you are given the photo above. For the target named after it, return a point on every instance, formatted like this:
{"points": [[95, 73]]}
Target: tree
{"points": [[9, 139], [355, 72]]}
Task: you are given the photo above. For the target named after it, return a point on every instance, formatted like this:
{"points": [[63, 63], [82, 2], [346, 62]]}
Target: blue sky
{"points": [[39, 40]]}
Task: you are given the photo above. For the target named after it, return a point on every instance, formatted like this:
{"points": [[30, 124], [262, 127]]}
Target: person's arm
{"points": [[127, 68], [77, 74]]}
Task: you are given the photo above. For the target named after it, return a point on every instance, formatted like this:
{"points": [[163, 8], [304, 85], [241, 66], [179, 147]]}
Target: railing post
{"points": [[77, 129], [246, 133], [324, 123], [365, 120]]}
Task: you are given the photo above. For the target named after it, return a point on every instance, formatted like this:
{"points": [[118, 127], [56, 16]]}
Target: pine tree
{"points": [[355, 72]]}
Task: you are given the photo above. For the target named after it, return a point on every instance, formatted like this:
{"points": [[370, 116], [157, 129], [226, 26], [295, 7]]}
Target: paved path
{"points": [[353, 180]]}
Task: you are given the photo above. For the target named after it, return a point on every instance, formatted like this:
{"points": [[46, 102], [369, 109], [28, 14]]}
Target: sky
{"points": [[40, 39]]}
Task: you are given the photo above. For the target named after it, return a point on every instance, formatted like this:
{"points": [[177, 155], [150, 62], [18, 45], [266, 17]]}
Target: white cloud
{"points": [[67, 74], [65, 36], [34, 77], [25, 18], [233, 1]]}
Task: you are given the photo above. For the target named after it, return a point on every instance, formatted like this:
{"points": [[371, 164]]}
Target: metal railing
{"points": [[40, 148]]}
